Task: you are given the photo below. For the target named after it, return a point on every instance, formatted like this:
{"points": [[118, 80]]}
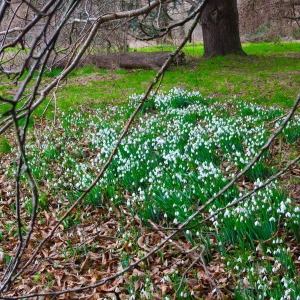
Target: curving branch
{"points": [[85, 43], [11, 278], [163, 31], [54, 19]]}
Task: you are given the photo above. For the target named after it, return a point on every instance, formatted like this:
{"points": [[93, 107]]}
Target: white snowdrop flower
{"points": [[288, 214], [277, 251], [163, 280], [227, 213], [1, 255], [272, 219], [263, 271], [287, 292], [165, 215], [188, 232], [257, 223], [239, 259], [175, 221], [282, 207]]}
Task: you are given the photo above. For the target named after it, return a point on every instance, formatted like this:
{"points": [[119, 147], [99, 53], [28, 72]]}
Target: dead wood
{"points": [[135, 60], [124, 60]]}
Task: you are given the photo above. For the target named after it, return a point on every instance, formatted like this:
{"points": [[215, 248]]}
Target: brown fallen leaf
{"points": [[142, 244], [138, 273], [85, 264], [164, 289]]}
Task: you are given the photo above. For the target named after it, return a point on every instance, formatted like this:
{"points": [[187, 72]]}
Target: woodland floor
{"points": [[96, 241]]}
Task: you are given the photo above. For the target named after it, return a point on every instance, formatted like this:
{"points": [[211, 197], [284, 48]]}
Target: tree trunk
{"points": [[220, 27]]}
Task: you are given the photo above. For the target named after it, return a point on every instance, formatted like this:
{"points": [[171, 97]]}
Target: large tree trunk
{"points": [[220, 26]]}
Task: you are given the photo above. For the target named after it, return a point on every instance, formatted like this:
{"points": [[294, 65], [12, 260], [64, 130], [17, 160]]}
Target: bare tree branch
{"points": [[31, 93], [108, 162], [292, 18]]}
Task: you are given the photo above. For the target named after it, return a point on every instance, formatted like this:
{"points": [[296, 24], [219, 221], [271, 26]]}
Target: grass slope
{"points": [[268, 75]]}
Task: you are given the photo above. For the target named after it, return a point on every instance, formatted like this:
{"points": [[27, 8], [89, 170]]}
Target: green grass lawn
{"points": [[268, 75], [250, 48]]}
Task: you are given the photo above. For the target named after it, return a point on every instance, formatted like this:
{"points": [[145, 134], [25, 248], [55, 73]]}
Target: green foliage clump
{"points": [[5, 146]]}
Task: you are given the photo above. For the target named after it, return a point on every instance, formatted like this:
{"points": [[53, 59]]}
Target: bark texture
{"points": [[268, 20], [220, 26]]}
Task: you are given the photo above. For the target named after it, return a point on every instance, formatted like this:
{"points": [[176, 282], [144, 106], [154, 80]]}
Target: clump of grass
{"points": [[292, 131], [5, 146]]}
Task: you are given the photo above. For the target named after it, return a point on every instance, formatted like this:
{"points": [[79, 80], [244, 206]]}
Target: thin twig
{"points": [[187, 270], [124, 132]]}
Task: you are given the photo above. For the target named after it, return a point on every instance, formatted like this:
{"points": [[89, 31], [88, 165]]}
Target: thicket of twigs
{"points": [[34, 234]]}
